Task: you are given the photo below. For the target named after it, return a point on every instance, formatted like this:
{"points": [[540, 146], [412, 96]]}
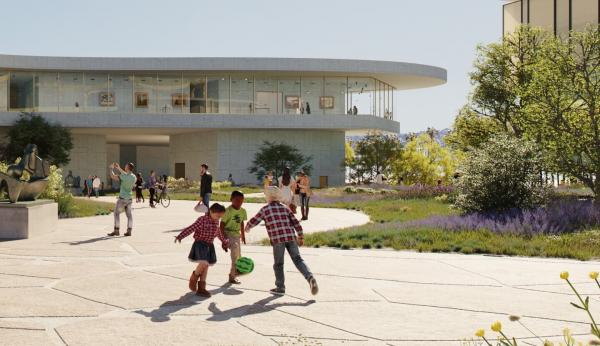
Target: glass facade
{"points": [[194, 93]]}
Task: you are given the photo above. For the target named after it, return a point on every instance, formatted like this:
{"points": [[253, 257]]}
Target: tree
{"points": [[54, 142], [424, 161], [470, 130], [374, 153], [275, 157], [502, 175], [565, 105]]}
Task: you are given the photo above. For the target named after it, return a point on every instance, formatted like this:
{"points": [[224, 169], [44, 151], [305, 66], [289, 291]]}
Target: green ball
{"points": [[244, 265]]}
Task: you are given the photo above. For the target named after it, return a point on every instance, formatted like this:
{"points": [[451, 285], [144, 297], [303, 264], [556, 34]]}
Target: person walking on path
{"points": [[152, 188], [205, 185], [305, 193], [139, 187], [127, 180], [88, 185], [285, 233], [205, 229], [232, 225], [287, 185], [96, 186]]}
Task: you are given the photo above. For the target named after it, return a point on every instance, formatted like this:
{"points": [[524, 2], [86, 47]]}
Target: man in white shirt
{"points": [[96, 185]]}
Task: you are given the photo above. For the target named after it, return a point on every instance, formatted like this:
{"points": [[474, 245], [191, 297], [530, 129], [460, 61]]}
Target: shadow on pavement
{"points": [[88, 241], [250, 309]]}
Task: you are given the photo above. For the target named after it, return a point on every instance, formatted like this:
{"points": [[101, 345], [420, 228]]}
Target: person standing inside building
{"points": [[152, 188], [96, 185], [307, 108], [127, 180], [205, 185], [355, 110]]}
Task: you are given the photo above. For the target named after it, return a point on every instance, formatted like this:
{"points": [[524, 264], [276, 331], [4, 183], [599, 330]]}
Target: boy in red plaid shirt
{"points": [[205, 229], [282, 227]]}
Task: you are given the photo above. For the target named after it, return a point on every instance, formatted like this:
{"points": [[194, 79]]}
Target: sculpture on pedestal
{"points": [[38, 169]]}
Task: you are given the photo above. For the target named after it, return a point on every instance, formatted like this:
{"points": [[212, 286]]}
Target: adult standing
{"points": [[89, 182], [287, 186], [305, 193], [96, 186], [152, 188], [205, 185], [139, 187], [126, 179]]}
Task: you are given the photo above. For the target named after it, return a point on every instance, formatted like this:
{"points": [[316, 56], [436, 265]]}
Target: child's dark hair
{"points": [[217, 208], [235, 194]]}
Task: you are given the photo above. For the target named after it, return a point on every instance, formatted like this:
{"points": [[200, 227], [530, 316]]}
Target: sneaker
{"points": [[278, 290], [233, 280], [314, 288]]}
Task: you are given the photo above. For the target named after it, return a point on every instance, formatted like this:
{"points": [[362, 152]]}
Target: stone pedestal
{"points": [[24, 220]]}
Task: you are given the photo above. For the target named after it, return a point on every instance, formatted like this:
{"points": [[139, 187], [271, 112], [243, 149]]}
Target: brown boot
{"points": [[233, 280], [128, 233], [202, 292], [114, 233], [194, 281]]}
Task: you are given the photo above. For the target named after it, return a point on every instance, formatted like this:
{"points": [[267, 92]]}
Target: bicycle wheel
{"points": [[165, 200]]}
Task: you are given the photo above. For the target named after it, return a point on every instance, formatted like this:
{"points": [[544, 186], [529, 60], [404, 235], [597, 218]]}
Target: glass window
{"points": [[171, 96], [334, 96], [121, 86], [361, 95], [242, 91], [71, 92], [97, 96], [23, 91], [197, 89], [144, 93], [585, 12], [3, 91], [289, 89], [266, 99], [512, 16], [217, 95], [47, 91], [312, 90]]}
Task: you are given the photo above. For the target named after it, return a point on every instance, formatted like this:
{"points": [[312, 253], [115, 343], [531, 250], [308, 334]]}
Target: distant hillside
{"points": [[439, 137]]}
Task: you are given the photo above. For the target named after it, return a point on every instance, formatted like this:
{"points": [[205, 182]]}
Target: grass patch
{"points": [[87, 207], [580, 245], [394, 209]]}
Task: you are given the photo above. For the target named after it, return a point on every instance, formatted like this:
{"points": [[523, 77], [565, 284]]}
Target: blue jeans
{"points": [[206, 199], [279, 255]]}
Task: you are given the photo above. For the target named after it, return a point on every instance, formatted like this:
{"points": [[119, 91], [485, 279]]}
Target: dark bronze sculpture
{"points": [[38, 169]]}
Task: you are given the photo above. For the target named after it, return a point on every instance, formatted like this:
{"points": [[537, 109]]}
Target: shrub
{"points": [[502, 175], [183, 184]]}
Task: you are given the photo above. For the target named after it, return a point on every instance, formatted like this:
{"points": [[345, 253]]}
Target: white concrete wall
{"points": [[113, 154], [236, 150], [193, 149], [153, 158], [88, 156]]}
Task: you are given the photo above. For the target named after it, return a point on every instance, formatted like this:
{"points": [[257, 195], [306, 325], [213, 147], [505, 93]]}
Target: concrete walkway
{"points": [[77, 287]]}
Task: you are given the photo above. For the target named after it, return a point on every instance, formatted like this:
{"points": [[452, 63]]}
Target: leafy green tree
{"points": [[374, 153], [275, 157], [503, 174], [348, 154], [54, 142], [424, 161], [470, 130]]}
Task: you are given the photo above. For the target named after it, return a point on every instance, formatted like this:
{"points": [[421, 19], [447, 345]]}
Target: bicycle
{"points": [[163, 198]]}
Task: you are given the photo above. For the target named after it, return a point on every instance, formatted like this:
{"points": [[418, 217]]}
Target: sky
{"points": [[443, 33]]}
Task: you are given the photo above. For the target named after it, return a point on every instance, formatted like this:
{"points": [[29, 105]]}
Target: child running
{"points": [[232, 226], [205, 229], [282, 227]]}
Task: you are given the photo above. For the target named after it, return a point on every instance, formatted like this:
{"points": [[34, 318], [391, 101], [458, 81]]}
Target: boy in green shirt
{"points": [[232, 225]]}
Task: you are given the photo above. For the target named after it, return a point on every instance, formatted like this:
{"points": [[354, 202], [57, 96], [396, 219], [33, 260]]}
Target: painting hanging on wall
{"points": [[292, 102], [326, 102], [106, 99], [141, 100], [179, 100]]}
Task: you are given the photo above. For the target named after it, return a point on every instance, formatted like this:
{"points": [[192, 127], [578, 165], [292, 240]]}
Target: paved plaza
{"points": [[77, 287]]}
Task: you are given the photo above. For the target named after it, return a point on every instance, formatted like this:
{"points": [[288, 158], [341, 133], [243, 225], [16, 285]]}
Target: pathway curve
{"points": [[76, 287]]}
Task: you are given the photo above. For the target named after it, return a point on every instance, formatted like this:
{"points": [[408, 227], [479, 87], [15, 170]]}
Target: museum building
{"points": [[172, 114]]}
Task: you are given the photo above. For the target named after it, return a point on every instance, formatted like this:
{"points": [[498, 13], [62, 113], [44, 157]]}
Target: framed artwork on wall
{"points": [[292, 102], [179, 100], [141, 100], [326, 102], [106, 99]]}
